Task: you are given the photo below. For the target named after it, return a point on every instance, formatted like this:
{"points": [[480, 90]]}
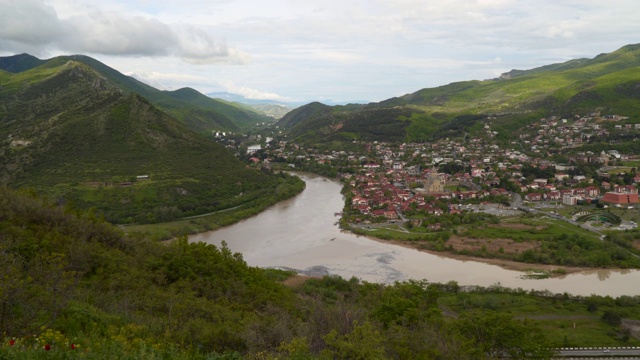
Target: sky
{"points": [[333, 51]]}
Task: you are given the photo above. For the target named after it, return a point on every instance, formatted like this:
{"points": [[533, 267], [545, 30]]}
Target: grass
{"points": [[516, 305], [626, 214], [539, 229], [195, 225], [395, 232], [542, 240], [556, 316], [586, 333]]}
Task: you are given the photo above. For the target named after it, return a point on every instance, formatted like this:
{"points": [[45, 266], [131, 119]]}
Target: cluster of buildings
{"points": [[388, 178], [390, 193], [561, 133]]}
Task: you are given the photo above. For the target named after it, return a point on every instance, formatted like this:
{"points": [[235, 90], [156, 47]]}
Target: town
{"points": [[395, 176], [434, 193]]}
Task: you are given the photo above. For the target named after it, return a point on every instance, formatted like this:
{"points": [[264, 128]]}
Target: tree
{"points": [[363, 343], [497, 335], [32, 293], [611, 317], [592, 303]]}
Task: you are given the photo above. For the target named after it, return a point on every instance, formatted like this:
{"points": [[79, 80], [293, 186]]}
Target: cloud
{"points": [[172, 81], [340, 49], [34, 25], [249, 93], [111, 34], [198, 47], [167, 81], [28, 24]]}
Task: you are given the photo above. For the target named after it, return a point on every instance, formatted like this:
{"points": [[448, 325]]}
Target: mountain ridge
{"points": [[606, 82], [197, 111], [71, 133]]}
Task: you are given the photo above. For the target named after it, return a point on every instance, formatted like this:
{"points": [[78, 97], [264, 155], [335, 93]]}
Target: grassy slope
{"points": [[608, 82]]}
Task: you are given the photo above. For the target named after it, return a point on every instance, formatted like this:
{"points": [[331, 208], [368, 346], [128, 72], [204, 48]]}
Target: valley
{"points": [[301, 234], [476, 220], [540, 199]]}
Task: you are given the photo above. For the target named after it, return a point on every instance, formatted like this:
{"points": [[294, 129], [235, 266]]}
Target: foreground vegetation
{"points": [[76, 287]]}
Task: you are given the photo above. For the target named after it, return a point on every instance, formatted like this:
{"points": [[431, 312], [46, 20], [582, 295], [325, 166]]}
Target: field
{"points": [[570, 322], [531, 239]]}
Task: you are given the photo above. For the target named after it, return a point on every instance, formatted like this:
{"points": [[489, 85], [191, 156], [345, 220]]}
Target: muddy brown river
{"points": [[301, 234]]}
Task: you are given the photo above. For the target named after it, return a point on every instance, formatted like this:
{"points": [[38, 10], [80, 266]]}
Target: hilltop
{"points": [[70, 132], [608, 83], [197, 111]]}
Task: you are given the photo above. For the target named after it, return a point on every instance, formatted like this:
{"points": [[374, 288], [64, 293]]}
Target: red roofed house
{"points": [[533, 197]]}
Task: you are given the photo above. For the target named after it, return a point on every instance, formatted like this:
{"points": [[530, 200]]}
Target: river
{"points": [[301, 234]]}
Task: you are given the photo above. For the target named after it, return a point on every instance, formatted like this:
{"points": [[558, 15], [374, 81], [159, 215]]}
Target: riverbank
{"points": [[551, 270], [198, 224], [549, 247], [301, 234]]}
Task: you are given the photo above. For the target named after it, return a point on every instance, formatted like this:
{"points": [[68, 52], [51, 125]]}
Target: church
{"points": [[433, 183]]}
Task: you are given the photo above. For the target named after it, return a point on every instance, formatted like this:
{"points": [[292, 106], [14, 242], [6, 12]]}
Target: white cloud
{"points": [[168, 81], [249, 93], [339, 49], [173, 81], [198, 47], [28, 23], [112, 34]]}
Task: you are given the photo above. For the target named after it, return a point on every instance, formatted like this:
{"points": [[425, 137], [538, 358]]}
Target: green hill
{"points": [[74, 287], [19, 63], [71, 133], [195, 110], [608, 82], [298, 115]]}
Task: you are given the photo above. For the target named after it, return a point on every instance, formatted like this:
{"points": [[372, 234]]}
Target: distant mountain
{"points": [[271, 108], [314, 109], [83, 138], [19, 63], [230, 97], [608, 82], [195, 110]]}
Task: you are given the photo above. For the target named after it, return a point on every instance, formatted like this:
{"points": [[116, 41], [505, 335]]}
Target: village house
{"points": [[552, 195], [533, 197]]}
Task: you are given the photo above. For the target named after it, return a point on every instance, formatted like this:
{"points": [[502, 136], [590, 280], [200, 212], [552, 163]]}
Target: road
{"points": [[517, 203], [601, 353]]}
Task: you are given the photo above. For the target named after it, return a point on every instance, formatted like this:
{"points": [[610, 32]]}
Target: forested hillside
{"points": [[75, 135], [76, 287]]}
